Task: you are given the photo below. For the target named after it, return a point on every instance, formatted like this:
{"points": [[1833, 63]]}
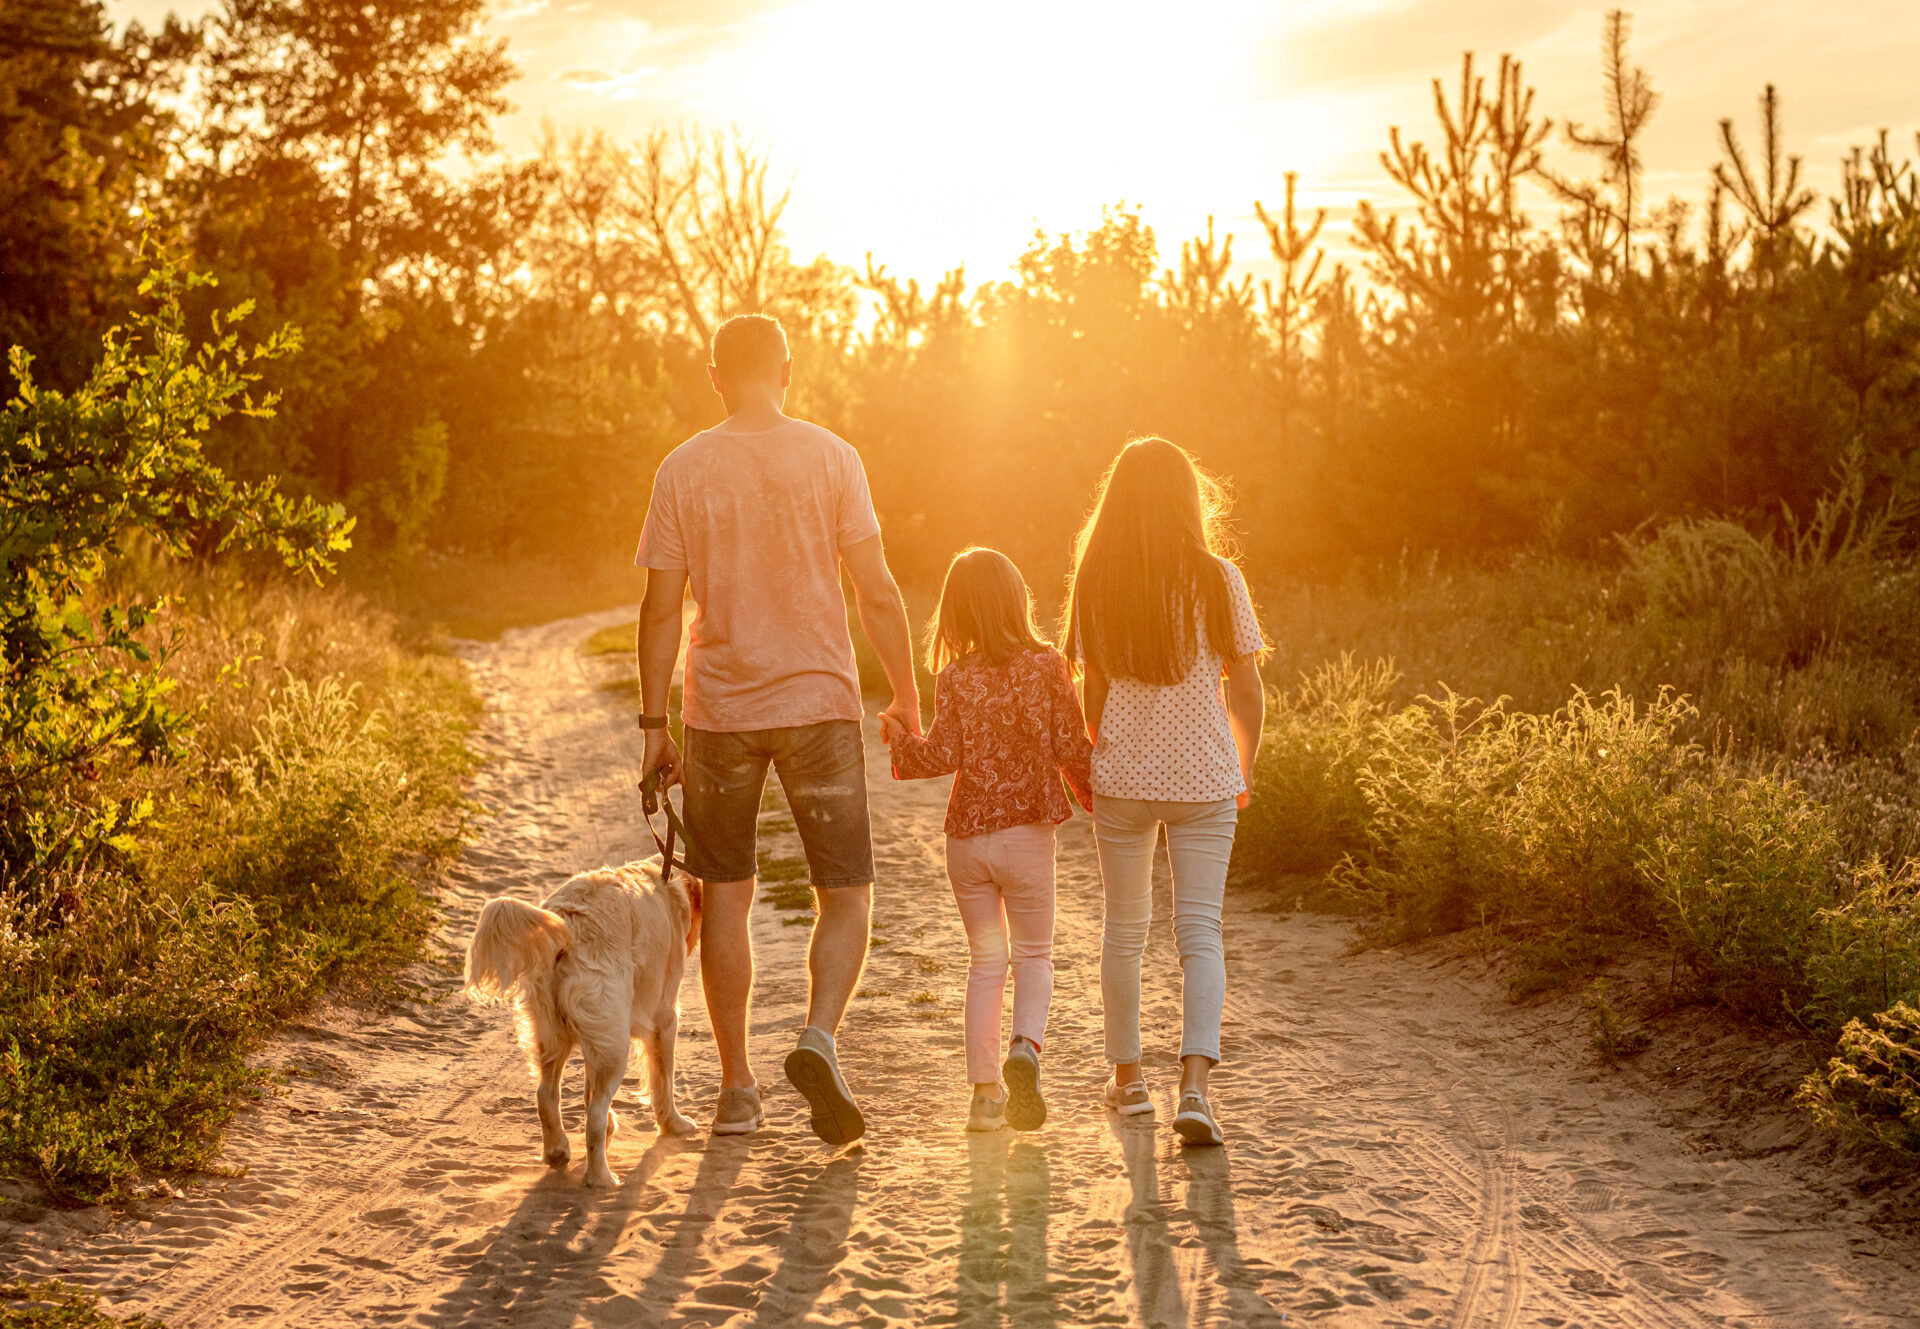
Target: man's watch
{"points": [[653, 722]]}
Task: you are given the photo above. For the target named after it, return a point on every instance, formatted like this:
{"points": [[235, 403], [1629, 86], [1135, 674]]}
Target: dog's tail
{"points": [[515, 944]]}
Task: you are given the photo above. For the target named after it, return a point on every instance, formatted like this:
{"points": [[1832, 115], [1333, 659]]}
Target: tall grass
{"points": [[320, 784], [1709, 746]]}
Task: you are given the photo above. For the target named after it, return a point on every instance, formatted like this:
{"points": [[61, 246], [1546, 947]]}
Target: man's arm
{"points": [[658, 647], [883, 617]]}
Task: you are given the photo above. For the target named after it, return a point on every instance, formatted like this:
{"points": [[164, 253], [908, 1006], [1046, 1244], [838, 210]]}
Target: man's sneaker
{"points": [[815, 1072], [988, 1113], [1026, 1110], [738, 1112], [1195, 1120], [1130, 1099]]}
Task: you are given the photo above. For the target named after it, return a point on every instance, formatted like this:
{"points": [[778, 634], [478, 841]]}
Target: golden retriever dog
{"points": [[597, 965]]}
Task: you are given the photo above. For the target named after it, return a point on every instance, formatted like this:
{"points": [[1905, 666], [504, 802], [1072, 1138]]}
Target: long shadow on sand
{"points": [[685, 1286], [1003, 1234], [815, 1245], [1157, 1294], [1210, 1205], [681, 1257], [1223, 1290], [558, 1238]]}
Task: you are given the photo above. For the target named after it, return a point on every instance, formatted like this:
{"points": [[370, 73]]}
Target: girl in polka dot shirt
{"points": [[1161, 624]]}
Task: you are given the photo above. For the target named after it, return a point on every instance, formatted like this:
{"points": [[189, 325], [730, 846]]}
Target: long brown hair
{"points": [[985, 608], [1145, 567]]}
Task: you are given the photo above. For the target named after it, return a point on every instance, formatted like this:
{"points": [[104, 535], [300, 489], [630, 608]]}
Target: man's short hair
{"points": [[750, 348]]}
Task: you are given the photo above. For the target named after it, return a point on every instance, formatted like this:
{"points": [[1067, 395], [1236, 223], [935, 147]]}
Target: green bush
{"points": [[1431, 782], [1834, 580], [1744, 871], [1309, 812], [1594, 787], [1760, 816], [1479, 814], [111, 1068], [327, 810], [193, 840], [1865, 954], [272, 866], [1574, 832], [82, 475], [1870, 1091]]}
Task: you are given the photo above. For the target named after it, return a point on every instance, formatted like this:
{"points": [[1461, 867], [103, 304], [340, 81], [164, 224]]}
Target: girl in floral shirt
{"points": [[1007, 721]]}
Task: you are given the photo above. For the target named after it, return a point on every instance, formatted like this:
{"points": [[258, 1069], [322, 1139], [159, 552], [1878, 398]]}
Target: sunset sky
{"points": [[935, 135]]}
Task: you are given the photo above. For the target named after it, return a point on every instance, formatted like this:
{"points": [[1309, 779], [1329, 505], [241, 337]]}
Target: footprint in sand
{"points": [[1592, 1197]]}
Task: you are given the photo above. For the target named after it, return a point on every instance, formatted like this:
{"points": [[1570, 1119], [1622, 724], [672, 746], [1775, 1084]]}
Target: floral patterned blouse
{"points": [[1011, 731]]}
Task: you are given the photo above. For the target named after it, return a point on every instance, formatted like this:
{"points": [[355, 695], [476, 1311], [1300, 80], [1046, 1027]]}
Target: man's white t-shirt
{"points": [[757, 520]]}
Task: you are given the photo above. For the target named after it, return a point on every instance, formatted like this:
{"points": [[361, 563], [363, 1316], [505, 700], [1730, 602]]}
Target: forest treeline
{"points": [[497, 351]]}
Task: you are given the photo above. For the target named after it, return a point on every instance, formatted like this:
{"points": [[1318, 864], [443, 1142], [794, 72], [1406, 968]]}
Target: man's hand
{"points": [[663, 755], [904, 712], [891, 730]]}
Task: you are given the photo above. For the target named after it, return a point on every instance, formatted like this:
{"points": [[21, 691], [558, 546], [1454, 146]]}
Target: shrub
{"points": [[1431, 782], [1480, 814], [1744, 872], [1874, 801], [82, 474], [1574, 833], [1870, 1092], [1820, 583], [325, 814], [1612, 1041], [1310, 811], [131, 994], [1761, 815], [123, 1041], [1865, 952], [1594, 789]]}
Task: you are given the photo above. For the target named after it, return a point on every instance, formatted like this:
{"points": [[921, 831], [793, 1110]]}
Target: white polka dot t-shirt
{"points": [[1171, 743]]}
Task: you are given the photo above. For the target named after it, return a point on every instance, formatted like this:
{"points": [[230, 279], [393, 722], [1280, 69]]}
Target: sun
{"points": [[948, 132]]}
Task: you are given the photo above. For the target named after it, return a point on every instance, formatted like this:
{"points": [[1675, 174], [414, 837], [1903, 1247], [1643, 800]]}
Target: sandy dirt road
{"points": [[1404, 1147]]}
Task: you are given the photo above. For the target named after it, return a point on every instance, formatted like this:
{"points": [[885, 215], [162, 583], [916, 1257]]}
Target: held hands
{"points": [[899, 719]]}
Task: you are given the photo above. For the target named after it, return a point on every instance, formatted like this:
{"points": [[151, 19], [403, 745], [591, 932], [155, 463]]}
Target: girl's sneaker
{"points": [[988, 1113], [1130, 1099], [1026, 1110], [1195, 1121]]}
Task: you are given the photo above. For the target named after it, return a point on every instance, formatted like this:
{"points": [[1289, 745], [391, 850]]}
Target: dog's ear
{"points": [[693, 913]]}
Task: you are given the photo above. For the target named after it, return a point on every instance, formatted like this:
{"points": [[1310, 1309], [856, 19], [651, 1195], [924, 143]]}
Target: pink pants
{"points": [[1003, 885]]}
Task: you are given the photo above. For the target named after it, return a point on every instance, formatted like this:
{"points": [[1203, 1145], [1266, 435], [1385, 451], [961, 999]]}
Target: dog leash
{"points": [[652, 796]]}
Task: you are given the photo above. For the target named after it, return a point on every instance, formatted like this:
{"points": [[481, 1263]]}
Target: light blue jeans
{"points": [[1199, 843]]}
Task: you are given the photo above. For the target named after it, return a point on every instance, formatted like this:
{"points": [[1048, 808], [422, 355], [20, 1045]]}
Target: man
{"points": [[757, 516]]}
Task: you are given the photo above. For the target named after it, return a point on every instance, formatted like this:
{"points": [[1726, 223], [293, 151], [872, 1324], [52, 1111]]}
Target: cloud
{"points": [[604, 83]]}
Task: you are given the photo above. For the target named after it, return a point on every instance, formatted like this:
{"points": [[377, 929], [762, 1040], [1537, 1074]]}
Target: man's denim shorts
{"points": [[822, 768]]}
